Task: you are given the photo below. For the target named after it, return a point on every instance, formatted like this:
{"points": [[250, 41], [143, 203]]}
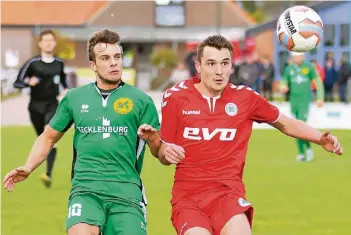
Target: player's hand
{"points": [[330, 143], [319, 103], [147, 132], [15, 176], [173, 153], [33, 81]]}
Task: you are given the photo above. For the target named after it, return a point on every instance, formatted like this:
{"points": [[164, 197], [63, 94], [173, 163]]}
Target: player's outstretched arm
{"points": [[301, 130], [40, 150]]}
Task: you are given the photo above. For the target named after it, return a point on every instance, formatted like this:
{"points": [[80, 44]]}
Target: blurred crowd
{"points": [[258, 73]]}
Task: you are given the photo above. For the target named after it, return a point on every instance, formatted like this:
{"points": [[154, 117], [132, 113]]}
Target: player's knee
{"points": [[237, 225], [83, 229], [197, 231]]}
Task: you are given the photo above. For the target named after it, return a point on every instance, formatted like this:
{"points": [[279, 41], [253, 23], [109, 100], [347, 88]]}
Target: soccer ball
{"points": [[299, 29]]}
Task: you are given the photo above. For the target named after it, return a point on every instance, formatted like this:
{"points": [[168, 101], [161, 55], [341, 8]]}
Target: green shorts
{"points": [[300, 111], [112, 215]]}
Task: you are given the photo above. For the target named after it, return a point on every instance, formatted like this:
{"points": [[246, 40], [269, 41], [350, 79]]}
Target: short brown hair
{"points": [[46, 32], [216, 41], [103, 36]]}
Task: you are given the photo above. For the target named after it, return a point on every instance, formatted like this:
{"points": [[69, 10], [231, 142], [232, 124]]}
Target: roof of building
{"points": [[272, 23], [76, 13], [67, 13]]}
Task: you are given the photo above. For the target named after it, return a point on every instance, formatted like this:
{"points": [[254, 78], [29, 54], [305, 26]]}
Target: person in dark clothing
{"points": [[331, 76], [190, 62], [344, 76], [43, 74], [249, 73], [267, 77]]}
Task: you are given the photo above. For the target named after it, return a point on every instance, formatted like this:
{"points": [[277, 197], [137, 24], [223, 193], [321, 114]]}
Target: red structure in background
{"points": [[241, 47]]}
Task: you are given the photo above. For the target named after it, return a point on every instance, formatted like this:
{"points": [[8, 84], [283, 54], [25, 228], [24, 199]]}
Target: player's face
{"points": [[108, 62], [214, 68], [47, 43], [298, 59]]}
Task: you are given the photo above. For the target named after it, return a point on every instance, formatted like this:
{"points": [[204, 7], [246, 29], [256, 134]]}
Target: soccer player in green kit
{"points": [[297, 78], [113, 121]]}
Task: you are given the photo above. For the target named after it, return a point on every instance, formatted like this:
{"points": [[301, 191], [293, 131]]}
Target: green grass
{"points": [[290, 198]]}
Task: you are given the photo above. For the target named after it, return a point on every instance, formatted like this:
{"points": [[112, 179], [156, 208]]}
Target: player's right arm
{"points": [[24, 75], [169, 153], [42, 146]]}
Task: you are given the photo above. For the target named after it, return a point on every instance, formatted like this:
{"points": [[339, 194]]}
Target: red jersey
{"points": [[214, 133]]}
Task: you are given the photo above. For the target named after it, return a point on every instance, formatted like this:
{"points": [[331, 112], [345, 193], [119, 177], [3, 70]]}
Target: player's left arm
{"points": [[319, 85], [301, 130], [263, 111], [63, 77], [149, 127]]}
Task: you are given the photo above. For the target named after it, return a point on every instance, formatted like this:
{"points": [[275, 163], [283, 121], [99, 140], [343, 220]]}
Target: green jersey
{"points": [[298, 79], [108, 154]]}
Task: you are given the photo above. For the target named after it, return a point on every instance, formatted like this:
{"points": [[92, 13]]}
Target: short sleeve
{"points": [[63, 117], [169, 118], [262, 110], [150, 114]]}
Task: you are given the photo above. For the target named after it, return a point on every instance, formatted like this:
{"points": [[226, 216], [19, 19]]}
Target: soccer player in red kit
{"points": [[206, 126]]}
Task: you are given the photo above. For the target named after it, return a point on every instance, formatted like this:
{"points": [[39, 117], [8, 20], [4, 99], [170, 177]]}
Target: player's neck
{"points": [[106, 86], [206, 91], [47, 57]]}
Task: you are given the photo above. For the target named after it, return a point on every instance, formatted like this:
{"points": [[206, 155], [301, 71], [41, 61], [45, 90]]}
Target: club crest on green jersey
{"points": [[123, 105]]}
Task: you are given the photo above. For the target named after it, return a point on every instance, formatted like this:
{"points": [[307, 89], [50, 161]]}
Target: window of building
{"points": [[314, 51], [283, 57], [344, 34], [169, 13], [346, 55], [329, 35]]}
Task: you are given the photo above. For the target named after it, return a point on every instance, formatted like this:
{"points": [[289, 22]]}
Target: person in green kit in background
{"points": [[297, 79]]}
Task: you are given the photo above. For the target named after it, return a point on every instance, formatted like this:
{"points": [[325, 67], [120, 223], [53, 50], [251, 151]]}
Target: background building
{"points": [[336, 42]]}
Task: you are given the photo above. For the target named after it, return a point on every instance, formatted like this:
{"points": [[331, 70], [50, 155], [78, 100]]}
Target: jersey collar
{"points": [[121, 84]]}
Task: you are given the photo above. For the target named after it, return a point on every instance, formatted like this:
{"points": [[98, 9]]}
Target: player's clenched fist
{"points": [[330, 143], [16, 175], [173, 153]]}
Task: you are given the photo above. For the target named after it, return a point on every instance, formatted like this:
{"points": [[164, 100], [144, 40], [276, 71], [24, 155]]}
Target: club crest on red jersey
{"points": [[231, 109]]}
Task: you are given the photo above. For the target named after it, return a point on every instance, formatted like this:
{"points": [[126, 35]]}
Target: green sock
{"points": [[300, 146], [307, 144]]}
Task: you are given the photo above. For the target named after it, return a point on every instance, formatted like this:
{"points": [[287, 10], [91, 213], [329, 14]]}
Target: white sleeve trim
{"points": [[280, 114]]}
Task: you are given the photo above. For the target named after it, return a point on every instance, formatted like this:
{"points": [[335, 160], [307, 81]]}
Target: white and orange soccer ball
{"points": [[299, 29]]}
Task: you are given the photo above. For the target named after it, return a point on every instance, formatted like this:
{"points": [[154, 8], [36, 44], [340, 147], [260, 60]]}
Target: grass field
{"points": [[290, 198]]}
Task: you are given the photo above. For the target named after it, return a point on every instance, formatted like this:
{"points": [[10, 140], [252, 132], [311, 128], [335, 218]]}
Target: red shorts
{"points": [[210, 210]]}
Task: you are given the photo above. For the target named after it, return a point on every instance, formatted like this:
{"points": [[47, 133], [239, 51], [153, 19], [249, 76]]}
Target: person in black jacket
{"points": [[43, 74], [267, 77]]}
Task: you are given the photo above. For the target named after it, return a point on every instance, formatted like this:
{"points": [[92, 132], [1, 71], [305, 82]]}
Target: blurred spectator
{"points": [[190, 62], [344, 79], [321, 73], [331, 76], [233, 78], [249, 73], [179, 74], [267, 77]]}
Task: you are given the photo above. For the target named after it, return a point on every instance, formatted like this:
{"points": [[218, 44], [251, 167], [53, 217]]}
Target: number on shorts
{"points": [[75, 210]]}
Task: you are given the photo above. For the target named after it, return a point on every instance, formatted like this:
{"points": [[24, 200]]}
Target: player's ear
{"points": [[92, 66], [197, 66]]}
